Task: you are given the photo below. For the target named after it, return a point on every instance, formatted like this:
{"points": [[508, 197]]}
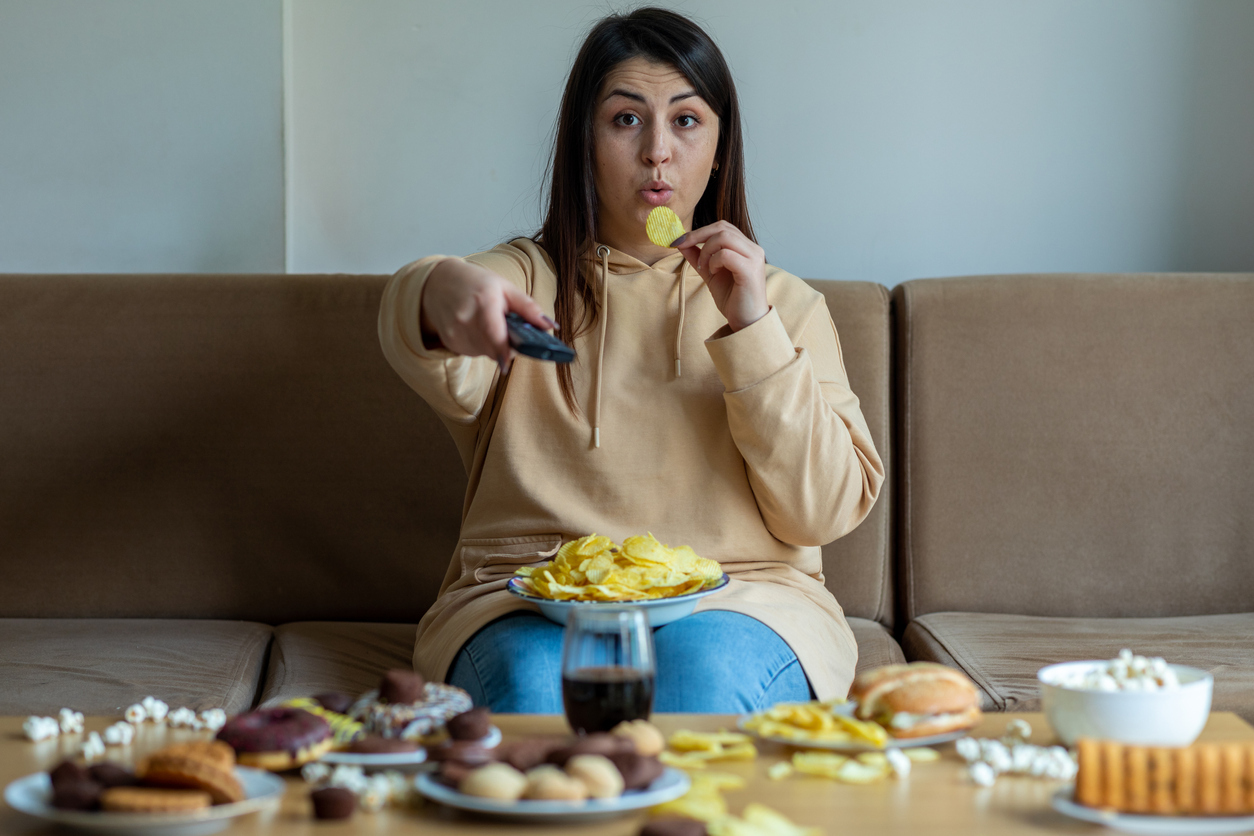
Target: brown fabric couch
{"points": [[214, 490], [1076, 475]]}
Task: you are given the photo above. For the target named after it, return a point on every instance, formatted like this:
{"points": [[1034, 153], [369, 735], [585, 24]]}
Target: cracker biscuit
{"points": [[1232, 795], [195, 766], [1208, 778], [1112, 774], [1088, 781], [1161, 781], [153, 800], [1136, 775], [1186, 781]]}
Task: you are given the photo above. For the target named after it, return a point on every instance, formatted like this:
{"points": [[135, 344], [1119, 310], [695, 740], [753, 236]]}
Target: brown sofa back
{"points": [[1076, 445], [236, 447]]}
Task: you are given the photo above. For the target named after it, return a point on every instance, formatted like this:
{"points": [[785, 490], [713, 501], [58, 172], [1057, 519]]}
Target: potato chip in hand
{"points": [[663, 226]]}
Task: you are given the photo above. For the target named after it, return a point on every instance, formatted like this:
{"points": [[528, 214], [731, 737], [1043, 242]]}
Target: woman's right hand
{"points": [[463, 309]]}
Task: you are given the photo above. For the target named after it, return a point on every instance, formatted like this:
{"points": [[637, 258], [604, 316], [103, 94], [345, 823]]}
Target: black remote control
{"points": [[527, 339]]}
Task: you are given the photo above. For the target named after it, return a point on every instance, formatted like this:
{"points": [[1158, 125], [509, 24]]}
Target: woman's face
{"points": [[654, 141]]}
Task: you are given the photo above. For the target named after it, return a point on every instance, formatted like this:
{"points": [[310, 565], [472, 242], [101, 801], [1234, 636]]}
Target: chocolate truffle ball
{"points": [[402, 686], [333, 803], [638, 770], [469, 725]]}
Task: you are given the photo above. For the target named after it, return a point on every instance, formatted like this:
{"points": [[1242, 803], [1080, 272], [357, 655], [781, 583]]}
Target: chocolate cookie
{"points": [[461, 751], [77, 795], [600, 743], [469, 725], [673, 826], [68, 772], [373, 744], [333, 803], [638, 771], [527, 753], [401, 686], [112, 775]]}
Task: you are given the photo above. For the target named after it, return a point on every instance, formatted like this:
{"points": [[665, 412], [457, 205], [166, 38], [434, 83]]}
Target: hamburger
{"points": [[917, 700]]}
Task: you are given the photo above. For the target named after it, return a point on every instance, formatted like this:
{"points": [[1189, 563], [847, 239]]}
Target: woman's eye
{"points": [[629, 120], [686, 121]]}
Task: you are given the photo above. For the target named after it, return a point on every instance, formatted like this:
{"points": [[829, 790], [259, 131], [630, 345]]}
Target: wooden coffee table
{"points": [[935, 799]]}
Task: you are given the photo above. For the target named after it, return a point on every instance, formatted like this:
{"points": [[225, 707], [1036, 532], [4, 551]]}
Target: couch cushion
{"points": [[317, 656], [876, 646], [219, 447], [313, 657], [101, 666], [857, 568], [1002, 653], [1076, 445]]}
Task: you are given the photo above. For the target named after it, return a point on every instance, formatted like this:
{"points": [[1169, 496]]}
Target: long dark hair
{"points": [[570, 223]]}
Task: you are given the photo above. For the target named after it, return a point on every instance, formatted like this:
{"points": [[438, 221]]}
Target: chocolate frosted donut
{"points": [[469, 725], [411, 721], [401, 686], [277, 738]]}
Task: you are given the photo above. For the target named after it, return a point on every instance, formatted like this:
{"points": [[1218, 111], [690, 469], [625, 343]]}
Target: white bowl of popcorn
{"points": [[1130, 699]]}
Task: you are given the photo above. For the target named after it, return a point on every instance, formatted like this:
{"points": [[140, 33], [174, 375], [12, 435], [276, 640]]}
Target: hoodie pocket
{"points": [[497, 558]]}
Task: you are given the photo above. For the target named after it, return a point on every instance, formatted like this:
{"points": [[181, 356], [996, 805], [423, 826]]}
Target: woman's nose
{"points": [[657, 147]]}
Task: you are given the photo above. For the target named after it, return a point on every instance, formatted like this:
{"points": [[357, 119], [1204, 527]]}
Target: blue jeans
{"points": [[714, 662]]}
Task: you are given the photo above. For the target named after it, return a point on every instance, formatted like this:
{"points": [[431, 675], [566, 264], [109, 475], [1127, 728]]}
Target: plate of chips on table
{"points": [[830, 725], [594, 570]]}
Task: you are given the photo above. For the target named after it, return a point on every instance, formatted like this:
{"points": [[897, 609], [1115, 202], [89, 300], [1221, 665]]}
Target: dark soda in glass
{"points": [[598, 699]]}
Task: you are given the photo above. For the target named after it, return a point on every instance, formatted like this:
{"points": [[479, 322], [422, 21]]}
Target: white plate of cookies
{"points": [[1150, 825], [671, 784], [32, 795]]}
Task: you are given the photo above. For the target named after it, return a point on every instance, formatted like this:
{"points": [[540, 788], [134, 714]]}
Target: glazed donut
{"points": [[277, 738]]}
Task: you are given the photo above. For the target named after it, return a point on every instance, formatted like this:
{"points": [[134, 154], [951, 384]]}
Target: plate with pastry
{"points": [[496, 789], [894, 706], [538, 779], [177, 793], [1202, 788]]}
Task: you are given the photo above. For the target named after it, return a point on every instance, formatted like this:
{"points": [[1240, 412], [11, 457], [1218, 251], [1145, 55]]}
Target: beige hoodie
{"points": [[755, 454]]}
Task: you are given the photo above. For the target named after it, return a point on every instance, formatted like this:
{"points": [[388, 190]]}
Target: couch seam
{"points": [[906, 444], [961, 655]]}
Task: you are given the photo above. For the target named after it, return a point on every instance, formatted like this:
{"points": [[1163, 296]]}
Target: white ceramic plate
{"points": [[837, 746], [397, 760], [658, 610], [1151, 825], [32, 795], [670, 785]]}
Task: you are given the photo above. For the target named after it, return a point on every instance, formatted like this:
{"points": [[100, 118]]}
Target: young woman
{"points": [[708, 404]]}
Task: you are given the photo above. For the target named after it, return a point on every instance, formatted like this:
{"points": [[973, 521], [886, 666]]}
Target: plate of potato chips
{"points": [[829, 725], [594, 570]]}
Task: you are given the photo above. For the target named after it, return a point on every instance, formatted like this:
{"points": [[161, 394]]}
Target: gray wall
{"points": [[141, 136], [887, 139]]}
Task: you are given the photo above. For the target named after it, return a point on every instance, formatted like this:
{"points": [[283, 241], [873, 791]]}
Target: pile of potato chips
{"points": [[693, 749], [814, 722], [704, 802], [595, 568]]}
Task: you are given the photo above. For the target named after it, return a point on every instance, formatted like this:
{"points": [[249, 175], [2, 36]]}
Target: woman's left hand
{"points": [[734, 270]]}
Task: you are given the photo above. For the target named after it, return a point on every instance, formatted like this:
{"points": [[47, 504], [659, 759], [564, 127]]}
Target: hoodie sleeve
{"points": [[806, 445], [456, 387]]}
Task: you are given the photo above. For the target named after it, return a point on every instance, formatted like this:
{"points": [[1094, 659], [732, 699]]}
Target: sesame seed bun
{"points": [[923, 688]]}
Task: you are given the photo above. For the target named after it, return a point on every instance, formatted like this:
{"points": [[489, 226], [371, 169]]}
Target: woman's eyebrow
{"points": [[627, 94]]}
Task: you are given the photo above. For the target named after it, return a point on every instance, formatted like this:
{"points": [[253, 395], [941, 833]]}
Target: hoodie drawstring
{"points": [[604, 252], [679, 332]]}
